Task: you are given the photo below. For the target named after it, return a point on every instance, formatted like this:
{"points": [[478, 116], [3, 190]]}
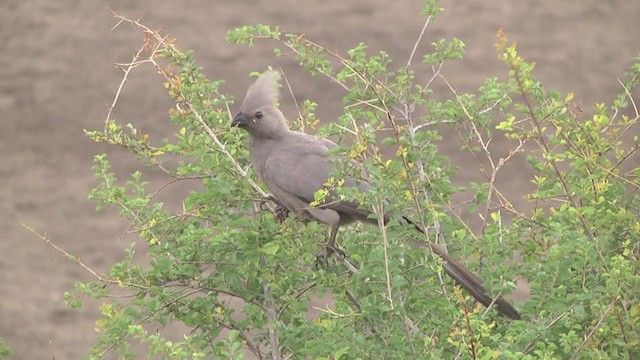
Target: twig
{"points": [[385, 247], [124, 79], [161, 41], [545, 147], [635, 108], [66, 254], [624, 334], [474, 351], [530, 345], [415, 46], [272, 317], [155, 193], [293, 97], [432, 123], [595, 327]]}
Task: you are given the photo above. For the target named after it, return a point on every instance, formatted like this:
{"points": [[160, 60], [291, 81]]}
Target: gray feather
{"points": [[264, 91]]}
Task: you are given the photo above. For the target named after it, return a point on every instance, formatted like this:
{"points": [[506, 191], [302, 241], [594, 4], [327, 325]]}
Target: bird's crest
{"points": [[264, 91]]}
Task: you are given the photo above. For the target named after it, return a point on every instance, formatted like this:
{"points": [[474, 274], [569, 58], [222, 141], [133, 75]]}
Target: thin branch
{"points": [[385, 246], [69, 256], [432, 123], [595, 327], [553, 163], [624, 333], [531, 344], [293, 97], [127, 71], [155, 193], [272, 317], [415, 46], [635, 108], [224, 150], [161, 41], [474, 350]]}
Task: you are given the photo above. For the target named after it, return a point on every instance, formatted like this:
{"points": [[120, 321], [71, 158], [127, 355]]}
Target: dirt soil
{"points": [[57, 77]]}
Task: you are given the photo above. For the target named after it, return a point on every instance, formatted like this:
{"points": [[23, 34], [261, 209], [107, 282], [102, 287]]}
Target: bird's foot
{"points": [[280, 213], [322, 258]]}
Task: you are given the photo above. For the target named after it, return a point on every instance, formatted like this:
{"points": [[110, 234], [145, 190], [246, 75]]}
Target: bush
{"points": [[5, 351], [578, 248]]}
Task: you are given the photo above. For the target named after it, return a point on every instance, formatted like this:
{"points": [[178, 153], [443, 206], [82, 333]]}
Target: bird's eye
{"points": [[258, 115]]}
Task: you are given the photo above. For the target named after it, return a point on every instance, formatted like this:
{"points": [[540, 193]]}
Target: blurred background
{"points": [[57, 77]]}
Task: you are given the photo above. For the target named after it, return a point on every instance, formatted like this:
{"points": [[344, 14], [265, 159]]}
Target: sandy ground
{"points": [[57, 77]]}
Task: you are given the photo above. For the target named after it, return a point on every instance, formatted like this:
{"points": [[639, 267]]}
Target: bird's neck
{"points": [[275, 133], [260, 150]]}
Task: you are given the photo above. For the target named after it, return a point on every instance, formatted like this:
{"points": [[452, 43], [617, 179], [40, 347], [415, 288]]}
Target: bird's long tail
{"points": [[468, 280]]}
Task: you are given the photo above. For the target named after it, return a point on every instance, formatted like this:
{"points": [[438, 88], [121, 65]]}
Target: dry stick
{"points": [[495, 169], [76, 259], [130, 66], [415, 46], [633, 103], [623, 159], [412, 132], [422, 176], [432, 123], [413, 129]]}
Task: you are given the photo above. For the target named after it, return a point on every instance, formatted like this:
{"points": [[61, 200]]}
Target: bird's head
{"points": [[258, 112]]}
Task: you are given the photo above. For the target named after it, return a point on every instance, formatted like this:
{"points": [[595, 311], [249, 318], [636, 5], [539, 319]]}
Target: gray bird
{"points": [[295, 165]]}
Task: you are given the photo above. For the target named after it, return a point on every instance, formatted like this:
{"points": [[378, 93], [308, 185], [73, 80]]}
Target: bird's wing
{"points": [[298, 169], [301, 169]]}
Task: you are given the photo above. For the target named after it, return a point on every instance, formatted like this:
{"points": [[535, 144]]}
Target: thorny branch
{"points": [[160, 44]]}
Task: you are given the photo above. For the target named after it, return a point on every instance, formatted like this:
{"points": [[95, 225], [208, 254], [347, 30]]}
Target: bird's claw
{"points": [[280, 213], [322, 258]]}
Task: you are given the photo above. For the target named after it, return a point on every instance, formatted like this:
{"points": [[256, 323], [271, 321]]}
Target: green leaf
{"points": [[270, 248]]}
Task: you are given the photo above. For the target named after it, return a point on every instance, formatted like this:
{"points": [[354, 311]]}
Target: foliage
{"points": [[241, 281], [5, 351]]}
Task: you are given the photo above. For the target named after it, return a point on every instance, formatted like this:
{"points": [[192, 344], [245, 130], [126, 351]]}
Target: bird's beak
{"points": [[240, 120]]}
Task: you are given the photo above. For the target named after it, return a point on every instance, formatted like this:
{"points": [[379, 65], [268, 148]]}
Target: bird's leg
{"points": [[323, 257], [280, 213]]}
